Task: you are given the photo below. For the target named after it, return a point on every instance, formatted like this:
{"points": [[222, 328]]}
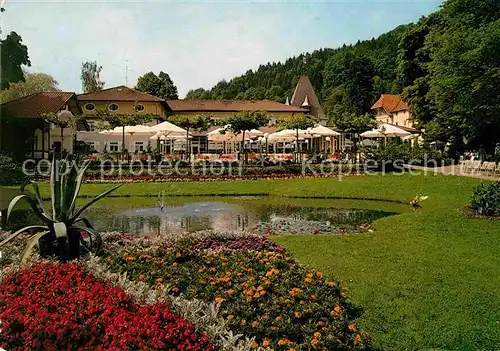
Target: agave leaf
{"points": [[20, 231], [60, 230], [77, 188], [37, 194], [68, 188], [94, 238], [85, 221], [44, 217], [32, 241], [55, 189], [90, 203]]}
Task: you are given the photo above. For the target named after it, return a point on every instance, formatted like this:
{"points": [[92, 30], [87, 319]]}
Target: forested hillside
{"points": [[276, 81], [447, 66]]}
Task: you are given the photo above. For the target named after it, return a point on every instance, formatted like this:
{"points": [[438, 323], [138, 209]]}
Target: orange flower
{"points": [[297, 314], [141, 276], [159, 280], [230, 317], [230, 292], [266, 342], [243, 322], [352, 326], [308, 280], [129, 258], [357, 338], [317, 334], [219, 300], [284, 342], [314, 342], [332, 284], [254, 345], [255, 324]]}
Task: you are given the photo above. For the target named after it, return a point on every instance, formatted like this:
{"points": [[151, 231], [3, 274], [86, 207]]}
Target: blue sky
{"points": [[198, 43]]}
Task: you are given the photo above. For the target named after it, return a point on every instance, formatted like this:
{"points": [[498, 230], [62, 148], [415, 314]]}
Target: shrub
{"points": [[10, 172], [62, 307], [486, 199], [262, 294]]}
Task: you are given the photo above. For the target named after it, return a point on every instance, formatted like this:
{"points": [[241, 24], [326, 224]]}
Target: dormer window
{"points": [[89, 107], [113, 107], [139, 108]]}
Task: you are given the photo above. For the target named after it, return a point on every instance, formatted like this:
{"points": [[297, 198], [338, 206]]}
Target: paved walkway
{"points": [[452, 170]]}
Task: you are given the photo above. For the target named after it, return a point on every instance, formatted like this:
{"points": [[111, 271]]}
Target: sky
{"points": [[197, 43]]}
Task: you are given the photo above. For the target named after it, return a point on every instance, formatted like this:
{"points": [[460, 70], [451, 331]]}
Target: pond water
{"points": [[259, 214], [266, 215]]}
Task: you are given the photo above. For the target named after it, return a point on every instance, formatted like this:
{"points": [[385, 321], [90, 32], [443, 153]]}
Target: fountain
{"points": [[161, 202]]}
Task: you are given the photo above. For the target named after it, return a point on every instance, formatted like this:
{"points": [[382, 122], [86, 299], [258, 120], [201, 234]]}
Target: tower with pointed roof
{"points": [[304, 96]]}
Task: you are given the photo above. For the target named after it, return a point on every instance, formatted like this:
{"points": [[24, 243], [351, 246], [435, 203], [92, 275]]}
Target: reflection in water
{"points": [[222, 216]]}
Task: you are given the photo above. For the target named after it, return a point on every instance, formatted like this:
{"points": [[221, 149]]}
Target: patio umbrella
{"points": [[322, 131], [130, 130], [168, 128], [385, 130]]}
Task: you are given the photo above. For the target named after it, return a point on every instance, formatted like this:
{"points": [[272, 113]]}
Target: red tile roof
{"points": [[391, 103], [231, 106], [34, 105], [120, 93]]}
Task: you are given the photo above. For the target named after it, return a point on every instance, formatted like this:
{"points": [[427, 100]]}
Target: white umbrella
{"points": [[322, 131], [168, 128], [385, 130], [175, 136], [139, 129]]}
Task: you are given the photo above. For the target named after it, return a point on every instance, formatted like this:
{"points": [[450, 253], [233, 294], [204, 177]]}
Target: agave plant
{"points": [[64, 231]]}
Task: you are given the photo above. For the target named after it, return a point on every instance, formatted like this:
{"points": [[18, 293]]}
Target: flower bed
{"points": [[62, 307], [262, 294], [251, 242]]}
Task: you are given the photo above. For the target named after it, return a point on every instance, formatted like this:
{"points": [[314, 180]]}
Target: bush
{"points": [[486, 199], [63, 307], [262, 294], [10, 172]]}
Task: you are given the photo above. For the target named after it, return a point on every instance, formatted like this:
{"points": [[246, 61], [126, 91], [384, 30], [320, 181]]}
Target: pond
{"points": [[259, 214], [265, 215]]}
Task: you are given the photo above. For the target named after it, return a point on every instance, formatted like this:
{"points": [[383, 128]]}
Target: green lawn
{"points": [[426, 279]]}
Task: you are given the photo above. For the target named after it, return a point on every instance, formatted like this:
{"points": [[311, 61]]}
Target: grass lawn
{"points": [[426, 279]]}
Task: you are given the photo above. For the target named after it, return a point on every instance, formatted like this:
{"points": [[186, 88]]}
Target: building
{"points": [[305, 97], [222, 109], [24, 130], [120, 100], [392, 109]]}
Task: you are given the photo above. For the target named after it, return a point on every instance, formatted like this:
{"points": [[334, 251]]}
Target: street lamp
{"points": [[266, 136], [327, 139]]}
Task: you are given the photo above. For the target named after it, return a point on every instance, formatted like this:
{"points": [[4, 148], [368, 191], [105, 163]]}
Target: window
{"points": [[113, 146], [139, 146], [139, 108], [113, 107], [89, 107]]}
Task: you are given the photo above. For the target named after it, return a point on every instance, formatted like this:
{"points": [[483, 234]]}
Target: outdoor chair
{"points": [[475, 167], [489, 168]]}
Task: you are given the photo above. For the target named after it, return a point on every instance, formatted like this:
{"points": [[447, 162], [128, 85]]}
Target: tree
{"points": [[123, 120], [13, 54], [298, 122], [90, 77], [198, 94], [240, 122], [161, 86], [34, 83], [199, 123], [355, 124]]}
